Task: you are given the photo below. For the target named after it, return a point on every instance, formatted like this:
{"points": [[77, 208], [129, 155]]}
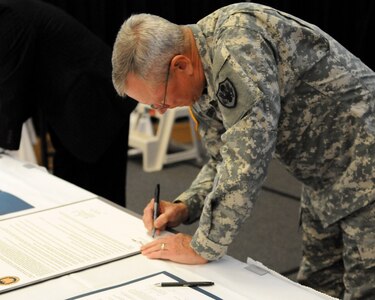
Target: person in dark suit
{"points": [[53, 66]]}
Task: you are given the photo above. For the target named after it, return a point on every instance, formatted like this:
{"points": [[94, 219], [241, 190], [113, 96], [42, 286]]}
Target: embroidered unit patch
{"points": [[226, 93]]}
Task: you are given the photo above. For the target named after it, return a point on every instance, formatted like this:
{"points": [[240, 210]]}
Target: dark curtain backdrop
{"points": [[350, 22]]}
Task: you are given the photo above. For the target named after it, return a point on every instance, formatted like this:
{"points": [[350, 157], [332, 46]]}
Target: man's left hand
{"points": [[173, 247]]}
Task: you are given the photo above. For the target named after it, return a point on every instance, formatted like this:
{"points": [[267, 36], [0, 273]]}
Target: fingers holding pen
{"points": [[148, 217], [161, 223], [170, 215]]}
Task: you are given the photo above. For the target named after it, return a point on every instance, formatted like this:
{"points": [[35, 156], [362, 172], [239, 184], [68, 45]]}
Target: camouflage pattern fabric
{"points": [[278, 86], [322, 266]]}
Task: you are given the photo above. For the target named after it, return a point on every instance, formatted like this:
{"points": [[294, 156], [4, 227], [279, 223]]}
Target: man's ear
{"points": [[181, 63]]}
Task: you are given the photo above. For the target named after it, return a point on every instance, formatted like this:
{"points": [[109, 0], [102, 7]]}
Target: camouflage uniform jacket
{"points": [[277, 85]]}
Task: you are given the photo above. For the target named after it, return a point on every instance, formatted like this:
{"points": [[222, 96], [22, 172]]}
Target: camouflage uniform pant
{"points": [[340, 260]]}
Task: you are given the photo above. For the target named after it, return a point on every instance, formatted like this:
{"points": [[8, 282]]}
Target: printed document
{"points": [[65, 239]]}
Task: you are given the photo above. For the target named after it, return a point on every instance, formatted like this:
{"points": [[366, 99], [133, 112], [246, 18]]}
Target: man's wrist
{"points": [[183, 210]]}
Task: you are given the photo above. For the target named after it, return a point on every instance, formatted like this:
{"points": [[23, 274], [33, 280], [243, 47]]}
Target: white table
{"points": [[232, 278]]}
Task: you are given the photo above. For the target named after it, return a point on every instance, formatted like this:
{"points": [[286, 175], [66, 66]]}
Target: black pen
{"points": [[156, 206], [185, 284]]}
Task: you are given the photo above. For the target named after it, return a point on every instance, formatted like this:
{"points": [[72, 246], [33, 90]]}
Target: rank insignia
{"points": [[226, 94]]}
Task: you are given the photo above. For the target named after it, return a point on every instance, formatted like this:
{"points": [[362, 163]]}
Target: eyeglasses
{"points": [[162, 105]]}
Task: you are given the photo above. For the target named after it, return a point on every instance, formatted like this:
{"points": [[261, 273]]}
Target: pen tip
{"points": [[157, 284]]}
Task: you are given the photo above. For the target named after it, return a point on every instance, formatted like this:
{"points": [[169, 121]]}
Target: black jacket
{"points": [[50, 62]]}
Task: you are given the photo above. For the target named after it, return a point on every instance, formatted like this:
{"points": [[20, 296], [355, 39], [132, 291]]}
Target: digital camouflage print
{"points": [[323, 260], [278, 86]]}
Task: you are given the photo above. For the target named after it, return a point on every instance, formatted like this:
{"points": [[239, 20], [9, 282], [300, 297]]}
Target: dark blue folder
{"points": [[10, 203]]}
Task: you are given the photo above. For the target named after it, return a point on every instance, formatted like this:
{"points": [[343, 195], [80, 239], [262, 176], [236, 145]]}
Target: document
{"points": [[50, 243], [144, 288], [10, 203], [26, 188]]}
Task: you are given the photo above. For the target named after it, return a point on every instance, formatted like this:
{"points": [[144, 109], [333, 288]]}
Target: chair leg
{"points": [[43, 140]]}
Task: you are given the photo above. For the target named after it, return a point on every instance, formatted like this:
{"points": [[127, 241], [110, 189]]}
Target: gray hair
{"points": [[144, 46]]}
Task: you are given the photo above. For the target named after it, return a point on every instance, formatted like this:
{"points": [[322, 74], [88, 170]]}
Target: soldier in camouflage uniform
{"points": [[261, 82]]}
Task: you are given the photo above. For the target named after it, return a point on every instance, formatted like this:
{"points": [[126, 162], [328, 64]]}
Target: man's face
{"points": [[181, 88]]}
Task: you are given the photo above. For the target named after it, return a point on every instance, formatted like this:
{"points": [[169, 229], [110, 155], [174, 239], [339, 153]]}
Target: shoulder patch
{"points": [[226, 93]]}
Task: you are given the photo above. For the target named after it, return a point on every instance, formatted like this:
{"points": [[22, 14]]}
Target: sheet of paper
{"points": [[32, 188], [144, 288], [49, 243], [234, 274]]}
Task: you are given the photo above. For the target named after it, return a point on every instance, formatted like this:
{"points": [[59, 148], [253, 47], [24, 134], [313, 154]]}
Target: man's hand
{"points": [[171, 215], [173, 247]]}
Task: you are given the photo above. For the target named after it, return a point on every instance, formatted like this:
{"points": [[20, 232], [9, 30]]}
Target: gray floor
{"points": [[270, 235]]}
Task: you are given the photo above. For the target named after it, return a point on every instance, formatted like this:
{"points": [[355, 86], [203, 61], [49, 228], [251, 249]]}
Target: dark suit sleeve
{"points": [[17, 46]]}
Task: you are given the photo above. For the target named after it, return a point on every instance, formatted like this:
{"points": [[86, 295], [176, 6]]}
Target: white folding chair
{"points": [[154, 146]]}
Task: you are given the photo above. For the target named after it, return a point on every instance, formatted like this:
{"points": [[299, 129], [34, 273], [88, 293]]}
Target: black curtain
{"points": [[349, 22]]}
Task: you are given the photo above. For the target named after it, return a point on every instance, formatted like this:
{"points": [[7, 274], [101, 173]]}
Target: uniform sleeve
{"points": [[16, 60], [210, 129], [248, 97]]}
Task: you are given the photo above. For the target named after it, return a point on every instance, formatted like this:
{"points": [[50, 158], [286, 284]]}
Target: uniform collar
{"points": [[205, 55]]}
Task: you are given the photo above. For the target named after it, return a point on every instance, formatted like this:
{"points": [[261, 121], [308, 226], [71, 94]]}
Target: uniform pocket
{"points": [[359, 236], [366, 248]]}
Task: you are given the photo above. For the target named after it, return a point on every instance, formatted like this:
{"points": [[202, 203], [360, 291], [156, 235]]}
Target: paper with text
{"points": [[58, 241]]}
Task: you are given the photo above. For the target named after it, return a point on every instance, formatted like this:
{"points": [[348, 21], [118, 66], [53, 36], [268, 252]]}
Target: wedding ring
{"points": [[162, 246]]}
